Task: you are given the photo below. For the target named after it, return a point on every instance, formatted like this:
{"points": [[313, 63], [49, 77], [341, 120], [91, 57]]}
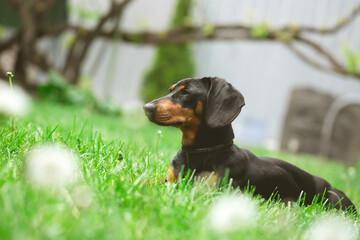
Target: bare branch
{"points": [[342, 23], [26, 18], [43, 8], [318, 48], [84, 39], [115, 10], [27, 40], [49, 4], [10, 41], [155, 40], [289, 35], [189, 34], [220, 32], [312, 62]]}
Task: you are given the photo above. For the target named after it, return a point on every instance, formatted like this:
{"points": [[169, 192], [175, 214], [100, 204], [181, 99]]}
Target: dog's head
{"points": [[211, 101]]}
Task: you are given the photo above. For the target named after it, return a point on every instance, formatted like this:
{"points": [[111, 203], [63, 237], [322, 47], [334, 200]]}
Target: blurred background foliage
{"points": [[9, 17], [56, 89], [172, 62]]}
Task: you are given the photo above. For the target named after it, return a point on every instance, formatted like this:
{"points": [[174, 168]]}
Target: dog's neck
{"points": [[209, 137]]}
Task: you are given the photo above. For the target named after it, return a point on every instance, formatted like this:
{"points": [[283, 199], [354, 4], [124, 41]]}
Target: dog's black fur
{"points": [[203, 109]]}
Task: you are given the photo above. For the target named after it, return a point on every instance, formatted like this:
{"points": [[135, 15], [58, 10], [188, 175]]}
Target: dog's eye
{"points": [[184, 92]]}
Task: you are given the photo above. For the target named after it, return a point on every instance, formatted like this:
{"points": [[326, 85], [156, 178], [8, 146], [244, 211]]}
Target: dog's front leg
{"points": [[170, 175]]}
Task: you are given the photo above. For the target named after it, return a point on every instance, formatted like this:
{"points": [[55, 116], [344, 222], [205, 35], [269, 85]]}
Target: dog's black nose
{"points": [[149, 109]]}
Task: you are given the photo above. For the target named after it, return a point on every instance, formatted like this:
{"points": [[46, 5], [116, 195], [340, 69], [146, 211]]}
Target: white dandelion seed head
{"points": [[9, 74], [51, 165], [332, 228], [159, 132], [233, 212], [82, 196], [13, 101]]}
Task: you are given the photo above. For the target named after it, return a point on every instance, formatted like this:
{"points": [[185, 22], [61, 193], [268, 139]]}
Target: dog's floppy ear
{"points": [[223, 103]]}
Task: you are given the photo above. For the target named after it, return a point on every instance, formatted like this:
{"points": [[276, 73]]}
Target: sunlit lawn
{"points": [[124, 204]]}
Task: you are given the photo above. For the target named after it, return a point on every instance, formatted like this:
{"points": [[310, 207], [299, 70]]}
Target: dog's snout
{"points": [[149, 109]]}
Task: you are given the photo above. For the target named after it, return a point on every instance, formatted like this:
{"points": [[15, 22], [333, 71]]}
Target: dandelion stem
{"points": [[74, 210], [157, 144], [12, 124], [10, 75], [10, 80]]}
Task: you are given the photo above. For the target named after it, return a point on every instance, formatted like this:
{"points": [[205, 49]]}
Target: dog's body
{"points": [[203, 109]]}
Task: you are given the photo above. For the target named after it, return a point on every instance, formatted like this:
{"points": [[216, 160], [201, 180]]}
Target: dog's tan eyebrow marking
{"points": [[172, 87], [182, 87]]}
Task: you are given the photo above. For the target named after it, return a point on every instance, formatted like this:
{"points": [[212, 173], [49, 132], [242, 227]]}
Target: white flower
{"points": [[10, 74], [51, 165], [13, 101], [332, 228], [233, 212]]}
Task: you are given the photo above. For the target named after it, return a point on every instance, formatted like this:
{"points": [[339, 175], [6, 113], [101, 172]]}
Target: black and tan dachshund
{"points": [[203, 109]]}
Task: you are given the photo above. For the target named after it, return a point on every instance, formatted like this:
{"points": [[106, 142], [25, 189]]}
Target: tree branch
{"points": [[220, 32], [27, 40], [84, 39], [10, 41], [289, 35], [326, 54], [311, 61], [342, 23], [43, 8]]}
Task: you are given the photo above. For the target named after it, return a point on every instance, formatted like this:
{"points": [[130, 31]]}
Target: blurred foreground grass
{"points": [[123, 204]]}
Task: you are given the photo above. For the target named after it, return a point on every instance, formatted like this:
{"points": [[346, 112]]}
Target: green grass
{"points": [[124, 204]]}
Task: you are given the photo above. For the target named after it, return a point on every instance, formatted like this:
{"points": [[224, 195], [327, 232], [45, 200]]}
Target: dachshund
{"points": [[203, 109]]}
